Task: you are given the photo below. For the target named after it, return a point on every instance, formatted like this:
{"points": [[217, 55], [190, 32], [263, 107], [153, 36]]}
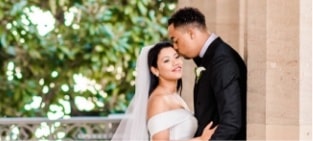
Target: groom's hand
{"points": [[208, 131]]}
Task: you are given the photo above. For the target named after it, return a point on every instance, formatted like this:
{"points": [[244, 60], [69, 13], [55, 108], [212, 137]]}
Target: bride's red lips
{"points": [[177, 68]]}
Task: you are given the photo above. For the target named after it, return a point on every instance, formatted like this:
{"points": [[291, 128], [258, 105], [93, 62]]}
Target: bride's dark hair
{"points": [[152, 62]]}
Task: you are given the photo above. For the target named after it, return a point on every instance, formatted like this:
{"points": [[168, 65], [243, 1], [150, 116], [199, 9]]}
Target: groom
{"points": [[220, 90]]}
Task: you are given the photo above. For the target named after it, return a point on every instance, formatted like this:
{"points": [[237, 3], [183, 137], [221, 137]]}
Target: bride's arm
{"points": [[157, 105], [161, 136]]}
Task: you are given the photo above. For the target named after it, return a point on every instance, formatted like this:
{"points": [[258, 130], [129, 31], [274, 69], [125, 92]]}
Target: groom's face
{"points": [[169, 64], [183, 41]]}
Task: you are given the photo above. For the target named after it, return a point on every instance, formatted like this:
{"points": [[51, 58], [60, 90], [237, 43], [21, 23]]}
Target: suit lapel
{"points": [[205, 62], [210, 52]]}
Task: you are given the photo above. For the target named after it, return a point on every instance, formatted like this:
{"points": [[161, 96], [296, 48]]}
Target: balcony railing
{"points": [[74, 128]]}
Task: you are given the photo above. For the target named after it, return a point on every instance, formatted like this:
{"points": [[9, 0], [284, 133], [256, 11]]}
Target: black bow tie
{"points": [[197, 60]]}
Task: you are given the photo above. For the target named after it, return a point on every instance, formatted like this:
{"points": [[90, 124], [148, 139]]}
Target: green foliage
{"points": [[100, 42]]}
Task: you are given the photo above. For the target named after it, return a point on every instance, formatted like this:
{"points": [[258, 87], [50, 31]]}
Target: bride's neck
{"points": [[169, 86]]}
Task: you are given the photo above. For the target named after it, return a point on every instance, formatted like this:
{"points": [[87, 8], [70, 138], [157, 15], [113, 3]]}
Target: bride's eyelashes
{"points": [[166, 60]]}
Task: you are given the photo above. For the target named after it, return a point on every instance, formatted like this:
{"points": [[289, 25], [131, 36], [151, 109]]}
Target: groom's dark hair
{"points": [[187, 16], [152, 62]]}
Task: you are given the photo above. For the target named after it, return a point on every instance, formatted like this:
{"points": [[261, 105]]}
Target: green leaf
{"points": [[17, 7], [11, 51], [142, 8]]}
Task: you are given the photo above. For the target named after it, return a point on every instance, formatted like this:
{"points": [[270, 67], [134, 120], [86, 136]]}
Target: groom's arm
{"points": [[228, 97]]}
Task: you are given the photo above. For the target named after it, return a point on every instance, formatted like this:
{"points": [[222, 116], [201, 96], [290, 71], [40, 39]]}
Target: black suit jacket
{"points": [[220, 93]]}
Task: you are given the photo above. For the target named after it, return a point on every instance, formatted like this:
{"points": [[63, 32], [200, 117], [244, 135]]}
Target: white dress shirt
{"points": [[207, 43]]}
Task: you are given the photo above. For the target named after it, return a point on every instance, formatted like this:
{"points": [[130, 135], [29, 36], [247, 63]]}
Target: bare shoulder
{"points": [[157, 103]]}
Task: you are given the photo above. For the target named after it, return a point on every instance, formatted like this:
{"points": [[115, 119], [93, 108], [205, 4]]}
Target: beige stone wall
{"points": [[275, 39], [305, 69], [282, 69]]}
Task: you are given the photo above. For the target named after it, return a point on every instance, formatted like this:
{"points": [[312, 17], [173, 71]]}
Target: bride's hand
{"points": [[208, 132]]}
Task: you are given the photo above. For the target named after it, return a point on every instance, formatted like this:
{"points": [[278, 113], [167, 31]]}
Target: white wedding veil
{"points": [[134, 126]]}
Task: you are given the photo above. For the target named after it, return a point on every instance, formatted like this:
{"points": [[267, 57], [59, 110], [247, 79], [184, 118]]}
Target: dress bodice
{"points": [[181, 123]]}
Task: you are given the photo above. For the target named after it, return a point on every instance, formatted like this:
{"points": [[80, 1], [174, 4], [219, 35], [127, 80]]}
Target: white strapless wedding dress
{"points": [[181, 123]]}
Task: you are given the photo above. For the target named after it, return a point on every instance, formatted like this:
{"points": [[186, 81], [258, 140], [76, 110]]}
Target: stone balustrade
{"points": [[74, 128]]}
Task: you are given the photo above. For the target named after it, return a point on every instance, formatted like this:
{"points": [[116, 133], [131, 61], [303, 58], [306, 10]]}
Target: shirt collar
{"points": [[207, 43]]}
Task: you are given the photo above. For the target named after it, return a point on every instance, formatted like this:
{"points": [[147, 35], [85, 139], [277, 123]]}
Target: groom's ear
{"points": [[155, 71], [191, 32]]}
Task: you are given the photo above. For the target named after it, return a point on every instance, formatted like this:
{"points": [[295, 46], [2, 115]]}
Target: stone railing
{"points": [[74, 128]]}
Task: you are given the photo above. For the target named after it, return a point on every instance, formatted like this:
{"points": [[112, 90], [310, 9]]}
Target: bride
{"points": [[157, 112]]}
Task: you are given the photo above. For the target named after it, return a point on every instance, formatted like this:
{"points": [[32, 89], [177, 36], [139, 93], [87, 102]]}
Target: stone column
{"points": [[279, 80], [275, 39], [256, 64], [282, 69], [305, 70]]}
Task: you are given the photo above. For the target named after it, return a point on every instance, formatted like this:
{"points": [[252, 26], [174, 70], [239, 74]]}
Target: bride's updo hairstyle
{"points": [[152, 62]]}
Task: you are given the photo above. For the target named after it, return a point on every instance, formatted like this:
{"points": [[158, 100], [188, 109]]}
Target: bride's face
{"points": [[170, 64]]}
